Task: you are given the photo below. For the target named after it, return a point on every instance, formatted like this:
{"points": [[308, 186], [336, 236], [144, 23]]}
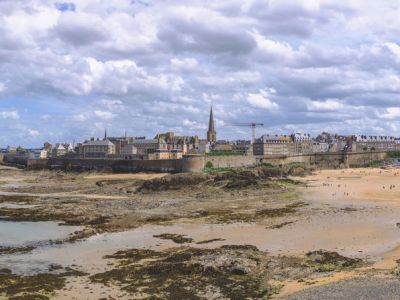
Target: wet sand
{"points": [[361, 209], [353, 212]]}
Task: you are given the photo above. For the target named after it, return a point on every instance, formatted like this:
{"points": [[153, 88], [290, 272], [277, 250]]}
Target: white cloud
{"points": [[185, 63], [392, 113], [261, 100], [273, 50], [328, 105], [112, 104], [105, 115], [80, 117], [33, 132], [9, 115], [2, 87], [148, 62]]}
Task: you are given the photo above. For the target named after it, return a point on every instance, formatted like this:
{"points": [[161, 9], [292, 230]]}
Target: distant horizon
{"points": [[71, 69]]}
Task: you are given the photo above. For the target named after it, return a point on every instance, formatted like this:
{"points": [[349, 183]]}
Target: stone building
{"points": [[320, 147], [362, 143], [148, 146], [128, 149], [98, 148], [222, 146], [303, 143], [129, 152], [58, 150], [243, 146], [274, 145], [167, 154], [181, 143]]}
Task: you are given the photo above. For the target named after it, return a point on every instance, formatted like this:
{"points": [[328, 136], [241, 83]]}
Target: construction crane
{"points": [[253, 128]]}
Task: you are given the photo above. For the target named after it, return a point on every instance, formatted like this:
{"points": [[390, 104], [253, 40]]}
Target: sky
{"points": [[70, 69]]}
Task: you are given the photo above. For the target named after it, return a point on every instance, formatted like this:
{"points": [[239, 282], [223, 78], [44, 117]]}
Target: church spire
{"points": [[211, 121], [211, 133], [105, 133]]}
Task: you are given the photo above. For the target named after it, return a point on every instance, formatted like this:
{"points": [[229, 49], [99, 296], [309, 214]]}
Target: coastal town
{"points": [[168, 146], [199, 150]]}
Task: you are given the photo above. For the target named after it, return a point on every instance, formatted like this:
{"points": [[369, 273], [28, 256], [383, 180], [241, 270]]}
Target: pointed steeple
{"points": [[211, 121], [211, 133], [105, 133]]}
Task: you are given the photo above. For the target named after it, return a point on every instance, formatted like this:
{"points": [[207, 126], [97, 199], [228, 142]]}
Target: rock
{"points": [[333, 258], [239, 270], [173, 182]]}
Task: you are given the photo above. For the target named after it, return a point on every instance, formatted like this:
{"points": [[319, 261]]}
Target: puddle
{"points": [[23, 233], [344, 235], [2, 193], [88, 255], [16, 205]]}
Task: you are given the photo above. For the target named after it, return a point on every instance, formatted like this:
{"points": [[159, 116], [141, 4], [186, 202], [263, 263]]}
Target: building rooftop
{"points": [[146, 141], [98, 143]]}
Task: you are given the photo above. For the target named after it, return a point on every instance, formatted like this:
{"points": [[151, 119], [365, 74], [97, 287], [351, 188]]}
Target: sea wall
{"points": [[319, 160], [362, 158], [13, 158], [233, 161], [196, 163], [117, 166]]}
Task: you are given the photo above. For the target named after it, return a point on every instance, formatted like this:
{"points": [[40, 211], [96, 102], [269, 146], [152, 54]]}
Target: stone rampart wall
{"points": [[117, 166], [196, 163], [233, 161]]}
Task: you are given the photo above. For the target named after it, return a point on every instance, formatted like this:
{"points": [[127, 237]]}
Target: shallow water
{"points": [[88, 255], [23, 233], [16, 205], [344, 233]]}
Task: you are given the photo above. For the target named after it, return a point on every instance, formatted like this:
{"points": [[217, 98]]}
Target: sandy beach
{"points": [[281, 235]]}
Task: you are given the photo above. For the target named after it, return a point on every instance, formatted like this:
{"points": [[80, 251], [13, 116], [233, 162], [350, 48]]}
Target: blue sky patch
{"points": [[65, 6]]}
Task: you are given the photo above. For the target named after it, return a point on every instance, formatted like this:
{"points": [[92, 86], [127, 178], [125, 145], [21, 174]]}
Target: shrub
{"points": [[393, 154], [209, 165]]}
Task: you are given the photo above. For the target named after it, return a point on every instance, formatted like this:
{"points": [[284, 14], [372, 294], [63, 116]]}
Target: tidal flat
{"points": [[244, 234]]}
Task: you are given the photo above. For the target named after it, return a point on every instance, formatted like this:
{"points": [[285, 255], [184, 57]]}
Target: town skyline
{"points": [[150, 66]]}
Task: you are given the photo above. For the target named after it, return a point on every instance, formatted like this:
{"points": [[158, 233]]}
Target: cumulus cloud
{"points": [[260, 100], [33, 132], [184, 63], [392, 112], [105, 115], [328, 105], [80, 29], [2, 87], [13, 115], [149, 66], [79, 117]]}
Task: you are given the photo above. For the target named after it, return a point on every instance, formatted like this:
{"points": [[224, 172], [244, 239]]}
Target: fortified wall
{"points": [[319, 160], [117, 166], [197, 163]]}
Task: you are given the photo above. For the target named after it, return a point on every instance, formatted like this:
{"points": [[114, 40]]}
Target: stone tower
{"points": [[211, 134]]}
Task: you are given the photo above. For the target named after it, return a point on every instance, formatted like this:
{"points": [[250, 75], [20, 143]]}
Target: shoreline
{"points": [[335, 210]]}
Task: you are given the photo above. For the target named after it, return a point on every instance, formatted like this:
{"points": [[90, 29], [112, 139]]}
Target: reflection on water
{"points": [[88, 255], [22, 233], [343, 233]]}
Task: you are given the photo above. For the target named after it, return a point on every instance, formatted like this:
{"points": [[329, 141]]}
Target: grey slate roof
{"points": [[98, 143]]}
